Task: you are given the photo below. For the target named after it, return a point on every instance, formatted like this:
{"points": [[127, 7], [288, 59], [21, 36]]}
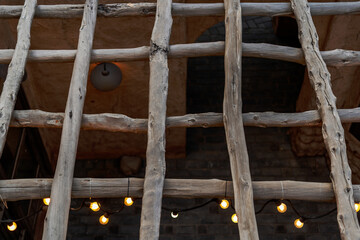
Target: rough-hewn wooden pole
{"points": [[332, 129], [155, 153], [16, 70], [56, 221], [235, 136]]}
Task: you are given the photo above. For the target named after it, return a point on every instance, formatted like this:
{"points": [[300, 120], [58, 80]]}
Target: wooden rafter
{"points": [[332, 130], [16, 70], [56, 221], [232, 116], [155, 152]]}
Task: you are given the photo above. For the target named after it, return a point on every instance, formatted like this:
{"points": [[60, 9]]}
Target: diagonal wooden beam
{"points": [[16, 70], [233, 123], [155, 153], [56, 221], [332, 129]]}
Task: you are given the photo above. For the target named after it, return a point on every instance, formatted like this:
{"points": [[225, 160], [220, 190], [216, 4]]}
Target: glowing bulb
{"points": [[95, 206], [46, 201], [224, 204], [103, 220], [174, 214], [282, 208], [128, 201], [357, 207], [12, 227], [298, 223], [234, 218]]}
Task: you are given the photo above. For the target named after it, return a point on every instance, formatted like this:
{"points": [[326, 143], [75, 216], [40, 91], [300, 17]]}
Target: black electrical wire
{"points": [[78, 208], [23, 218], [308, 217], [191, 208]]}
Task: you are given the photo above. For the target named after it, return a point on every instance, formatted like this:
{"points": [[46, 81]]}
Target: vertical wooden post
{"points": [[155, 154], [56, 221], [332, 129], [233, 123], [16, 70]]}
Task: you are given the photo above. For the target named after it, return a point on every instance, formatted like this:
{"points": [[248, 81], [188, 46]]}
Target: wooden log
{"points": [[24, 189], [234, 130], [181, 9], [16, 70], [56, 221], [155, 152], [332, 129]]}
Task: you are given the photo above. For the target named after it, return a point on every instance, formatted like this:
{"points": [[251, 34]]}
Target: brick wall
{"points": [[267, 85]]}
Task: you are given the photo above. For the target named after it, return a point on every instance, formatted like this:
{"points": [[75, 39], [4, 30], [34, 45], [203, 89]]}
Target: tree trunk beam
{"points": [[233, 123], [333, 132], [155, 152], [180, 9], [24, 189], [335, 58], [56, 221], [16, 69]]}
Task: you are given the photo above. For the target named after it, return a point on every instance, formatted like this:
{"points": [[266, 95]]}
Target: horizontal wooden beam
{"points": [[21, 189], [121, 123], [180, 9]]}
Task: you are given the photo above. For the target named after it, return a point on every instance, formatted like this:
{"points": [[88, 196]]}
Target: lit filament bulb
{"points": [[281, 208], [224, 204], [234, 218], [128, 201], [12, 227], [46, 201], [104, 219], [357, 207], [298, 223], [174, 214], [95, 206]]}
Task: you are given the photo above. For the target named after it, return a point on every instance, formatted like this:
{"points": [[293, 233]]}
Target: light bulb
{"points": [[281, 208], [12, 227], [357, 207], [103, 220], [224, 204], [46, 201], [234, 218], [174, 214], [298, 223], [128, 201], [95, 206]]}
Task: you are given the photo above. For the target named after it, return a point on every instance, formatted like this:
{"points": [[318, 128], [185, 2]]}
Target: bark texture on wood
{"points": [[332, 129], [16, 70], [180, 9], [56, 221], [235, 136], [155, 152], [22, 189]]}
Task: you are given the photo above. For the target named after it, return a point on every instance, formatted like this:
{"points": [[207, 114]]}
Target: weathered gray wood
{"points": [[155, 152], [332, 129], [23, 189], [56, 221], [234, 130], [16, 70], [181, 9]]}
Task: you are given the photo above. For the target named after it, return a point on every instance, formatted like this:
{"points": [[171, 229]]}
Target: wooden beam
{"points": [[16, 70], [234, 130], [332, 129], [56, 221], [155, 152], [180, 9], [23, 189], [336, 58]]}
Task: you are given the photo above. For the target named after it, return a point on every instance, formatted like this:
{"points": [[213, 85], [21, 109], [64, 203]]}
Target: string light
{"points": [[46, 201], [104, 219], [174, 214], [224, 204], [234, 218], [128, 201], [357, 207], [281, 207], [299, 223], [12, 227], [95, 206]]}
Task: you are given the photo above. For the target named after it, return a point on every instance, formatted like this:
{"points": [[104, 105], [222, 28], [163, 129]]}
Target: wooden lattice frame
{"points": [[154, 186]]}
